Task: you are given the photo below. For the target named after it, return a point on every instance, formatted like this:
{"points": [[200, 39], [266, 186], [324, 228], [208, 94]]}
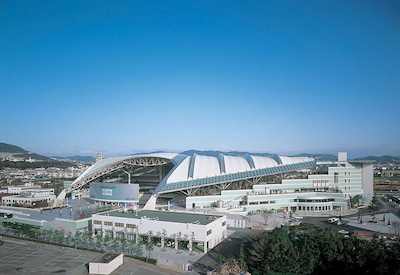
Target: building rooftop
{"points": [[166, 216], [106, 257]]}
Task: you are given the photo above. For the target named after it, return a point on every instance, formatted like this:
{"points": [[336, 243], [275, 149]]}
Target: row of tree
{"points": [[83, 240], [307, 249]]}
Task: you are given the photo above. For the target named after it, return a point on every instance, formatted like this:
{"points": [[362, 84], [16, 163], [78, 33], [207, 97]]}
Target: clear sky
{"points": [[261, 76]]}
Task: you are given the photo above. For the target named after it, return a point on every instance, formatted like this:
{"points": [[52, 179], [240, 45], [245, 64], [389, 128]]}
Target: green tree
{"points": [[307, 249], [242, 259], [149, 243], [374, 207]]}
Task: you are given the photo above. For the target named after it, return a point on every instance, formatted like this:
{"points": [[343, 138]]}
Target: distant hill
{"points": [[77, 158], [22, 153], [8, 148], [382, 159], [14, 152]]}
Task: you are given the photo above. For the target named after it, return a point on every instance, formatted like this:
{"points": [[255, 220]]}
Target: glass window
{"points": [[128, 225]]}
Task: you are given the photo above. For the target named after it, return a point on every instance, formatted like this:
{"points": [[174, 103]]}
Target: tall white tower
{"points": [[98, 157]]}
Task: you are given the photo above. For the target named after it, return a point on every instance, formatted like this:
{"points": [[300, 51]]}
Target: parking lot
{"points": [[22, 257]]}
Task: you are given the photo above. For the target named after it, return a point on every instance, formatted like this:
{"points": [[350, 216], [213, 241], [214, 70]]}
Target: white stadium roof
{"points": [[197, 170]]}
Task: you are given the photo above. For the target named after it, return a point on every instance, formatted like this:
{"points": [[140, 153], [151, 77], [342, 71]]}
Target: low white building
{"points": [[166, 226], [19, 188], [29, 197]]}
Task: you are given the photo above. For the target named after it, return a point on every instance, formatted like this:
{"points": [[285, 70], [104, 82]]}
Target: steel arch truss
{"points": [[108, 168]]}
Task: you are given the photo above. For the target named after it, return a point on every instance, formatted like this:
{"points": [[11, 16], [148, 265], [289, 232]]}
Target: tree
{"points": [[178, 238], [354, 201], [310, 250], [221, 260], [163, 237], [266, 215], [242, 259], [149, 243], [395, 227], [374, 207]]}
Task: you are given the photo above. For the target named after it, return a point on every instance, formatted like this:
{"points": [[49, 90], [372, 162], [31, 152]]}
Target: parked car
{"points": [[333, 220]]}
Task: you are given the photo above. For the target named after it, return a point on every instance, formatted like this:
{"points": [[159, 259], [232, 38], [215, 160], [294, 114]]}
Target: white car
{"points": [[343, 231]]}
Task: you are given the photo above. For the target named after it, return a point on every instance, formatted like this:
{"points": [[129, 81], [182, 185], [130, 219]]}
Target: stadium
{"points": [[229, 183]]}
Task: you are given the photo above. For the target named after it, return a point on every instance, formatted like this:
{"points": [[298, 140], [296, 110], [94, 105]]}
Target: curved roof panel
{"points": [[181, 171], [292, 160], [236, 164], [205, 166], [263, 162]]}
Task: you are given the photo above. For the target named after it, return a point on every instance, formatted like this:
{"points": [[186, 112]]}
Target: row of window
{"points": [[316, 208], [116, 224], [261, 202], [320, 181], [314, 200]]}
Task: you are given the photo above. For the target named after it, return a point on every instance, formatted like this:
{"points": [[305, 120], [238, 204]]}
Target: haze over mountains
{"points": [[8, 149]]}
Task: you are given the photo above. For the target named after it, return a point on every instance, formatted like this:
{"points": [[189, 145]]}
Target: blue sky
{"points": [[261, 76]]}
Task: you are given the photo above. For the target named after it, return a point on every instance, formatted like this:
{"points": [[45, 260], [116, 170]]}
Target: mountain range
{"points": [[22, 153]]}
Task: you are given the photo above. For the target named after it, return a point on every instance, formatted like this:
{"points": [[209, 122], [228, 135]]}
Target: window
{"points": [[128, 225], [108, 223], [97, 222], [336, 177], [223, 223], [119, 224], [209, 232]]}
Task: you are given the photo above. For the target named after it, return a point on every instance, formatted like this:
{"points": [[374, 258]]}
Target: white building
{"points": [[18, 189], [209, 230], [319, 192], [30, 197]]}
